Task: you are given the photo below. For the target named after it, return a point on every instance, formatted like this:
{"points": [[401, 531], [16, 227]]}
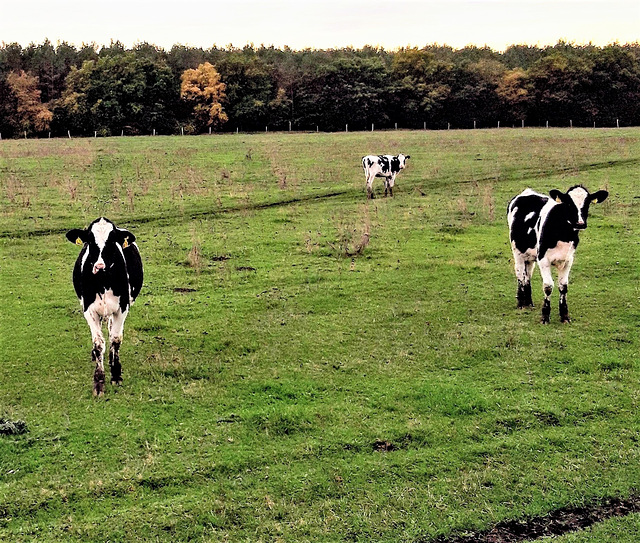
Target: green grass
{"points": [[273, 356]]}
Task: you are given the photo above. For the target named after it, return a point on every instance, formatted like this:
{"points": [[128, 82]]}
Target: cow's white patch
{"points": [[529, 216], [579, 196], [105, 305], [101, 231], [560, 254], [542, 219]]}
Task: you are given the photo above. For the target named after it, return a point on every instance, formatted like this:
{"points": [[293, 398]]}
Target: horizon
{"points": [[229, 47], [328, 25]]}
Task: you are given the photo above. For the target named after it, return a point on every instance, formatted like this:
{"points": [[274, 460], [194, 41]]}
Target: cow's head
{"points": [[104, 242], [403, 160], [577, 201]]}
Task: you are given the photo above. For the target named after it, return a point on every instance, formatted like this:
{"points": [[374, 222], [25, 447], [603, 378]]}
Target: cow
{"points": [[107, 278], [387, 166], [545, 229]]}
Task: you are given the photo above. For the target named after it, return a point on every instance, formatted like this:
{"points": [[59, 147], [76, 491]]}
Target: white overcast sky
{"points": [[322, 25]]}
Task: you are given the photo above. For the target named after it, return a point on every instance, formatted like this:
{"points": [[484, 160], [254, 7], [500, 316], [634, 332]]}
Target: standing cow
{"points": [[107, 278], [544, 229], [387, 166]]}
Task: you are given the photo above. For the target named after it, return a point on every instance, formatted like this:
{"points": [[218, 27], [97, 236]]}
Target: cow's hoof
{"points": [[117, 382], [565, 320], [544, 320], [98, 393]]}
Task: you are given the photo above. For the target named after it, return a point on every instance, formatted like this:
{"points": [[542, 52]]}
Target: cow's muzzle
{"points": [[98, 266]]}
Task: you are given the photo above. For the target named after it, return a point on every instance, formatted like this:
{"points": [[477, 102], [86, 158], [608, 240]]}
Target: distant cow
{"points": [[387, 166], [107, 278], [544, 229]]}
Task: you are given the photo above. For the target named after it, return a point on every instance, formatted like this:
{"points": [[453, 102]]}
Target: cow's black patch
{"points": [[559, 226], [546, 311], [384, 164], [524, 295], [527, 212]]}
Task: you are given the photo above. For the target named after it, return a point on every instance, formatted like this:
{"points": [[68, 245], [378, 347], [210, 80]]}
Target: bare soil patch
{"points": [[559, 522]]}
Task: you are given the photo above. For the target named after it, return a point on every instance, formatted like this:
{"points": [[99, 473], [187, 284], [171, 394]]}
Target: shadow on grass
{"points": [[171, 218]]}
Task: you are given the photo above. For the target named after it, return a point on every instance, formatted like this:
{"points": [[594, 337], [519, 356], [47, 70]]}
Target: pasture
{"points": [[303, 364]]}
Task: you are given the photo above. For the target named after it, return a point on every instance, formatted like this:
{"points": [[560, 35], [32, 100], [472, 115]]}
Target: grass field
{"points": [[306, 365]]}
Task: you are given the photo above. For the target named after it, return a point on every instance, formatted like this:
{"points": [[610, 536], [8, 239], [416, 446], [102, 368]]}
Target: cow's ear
{"points": [[556, 195], [77, 236], [124, 237], [408, 156], [599, 196]]}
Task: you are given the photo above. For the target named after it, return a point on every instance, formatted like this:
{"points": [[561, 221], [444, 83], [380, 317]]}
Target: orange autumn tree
{"points": [[31, 114], [202, 87]]}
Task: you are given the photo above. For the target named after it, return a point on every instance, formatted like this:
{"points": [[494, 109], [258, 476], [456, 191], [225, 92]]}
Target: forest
{"points": [[54, 90]]}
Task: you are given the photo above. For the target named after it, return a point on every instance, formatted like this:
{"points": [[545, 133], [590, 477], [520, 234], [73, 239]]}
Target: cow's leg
{"points": [[563, 287], [97, 353], [370, 179], [116, 329], [523, 268], [530, 265], [386, 186], [547, 286], [392, 181]]}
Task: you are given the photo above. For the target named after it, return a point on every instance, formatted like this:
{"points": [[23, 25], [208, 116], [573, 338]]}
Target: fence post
{"points": [[396, 126], [371, 127], [448, 126], [346, 128], [617, 123], [570, 123], [95, 134], [69, 133], [522, 123], [547, 124], [182, 130], [498, 124]]}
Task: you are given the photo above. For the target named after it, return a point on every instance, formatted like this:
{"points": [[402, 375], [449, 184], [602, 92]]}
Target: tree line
{"points": [[112, 90]]}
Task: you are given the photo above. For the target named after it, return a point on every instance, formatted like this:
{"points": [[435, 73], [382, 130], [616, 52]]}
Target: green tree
{"points": [[559, 89], [118, 93], [420, 87]]}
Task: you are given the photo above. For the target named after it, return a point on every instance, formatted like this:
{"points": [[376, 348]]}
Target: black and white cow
{"points": [[107, 278], [545, 229], [387, 166]]}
